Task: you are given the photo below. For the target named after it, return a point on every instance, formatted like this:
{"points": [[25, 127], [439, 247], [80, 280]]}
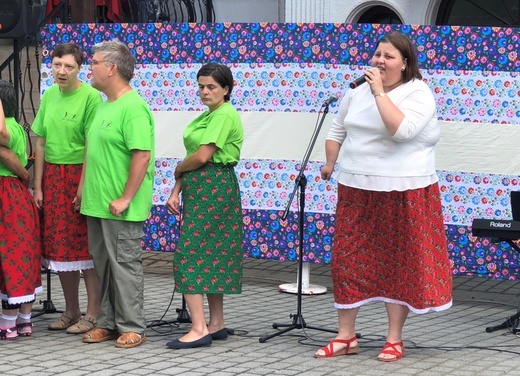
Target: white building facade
{"points": [[417, 12], [350, 11]]}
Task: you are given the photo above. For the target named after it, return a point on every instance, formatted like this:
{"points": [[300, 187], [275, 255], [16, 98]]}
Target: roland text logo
{"points": [[500, 224]]}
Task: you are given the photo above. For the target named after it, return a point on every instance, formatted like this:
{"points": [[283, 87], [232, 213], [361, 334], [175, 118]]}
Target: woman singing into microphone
{"points": [[389, 244]]}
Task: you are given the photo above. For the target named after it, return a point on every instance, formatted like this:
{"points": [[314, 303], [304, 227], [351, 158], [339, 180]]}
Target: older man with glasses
{"points": [[117, 195]]}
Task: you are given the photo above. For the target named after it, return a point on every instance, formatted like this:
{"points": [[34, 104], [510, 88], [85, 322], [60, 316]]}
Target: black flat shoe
{"points": [[219, 335], [177, 345]]}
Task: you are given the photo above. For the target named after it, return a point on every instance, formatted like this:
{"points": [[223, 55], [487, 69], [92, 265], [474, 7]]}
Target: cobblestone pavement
{"points": [[453, 342]]}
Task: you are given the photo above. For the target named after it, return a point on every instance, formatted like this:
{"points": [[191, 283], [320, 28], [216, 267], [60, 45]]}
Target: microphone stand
{"points": [[301, 183], [183, 317], [511, 322], [48, 305], [514, 320]]}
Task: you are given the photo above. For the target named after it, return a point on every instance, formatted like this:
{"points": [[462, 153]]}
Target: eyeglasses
{"points": [[96, 62], [68, 68]]}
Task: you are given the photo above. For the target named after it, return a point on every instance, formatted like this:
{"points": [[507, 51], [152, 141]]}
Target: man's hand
{"points": [[119, 206]]}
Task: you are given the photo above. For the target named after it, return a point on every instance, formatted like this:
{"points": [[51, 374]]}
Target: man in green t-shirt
{"points": [[117, 195]]}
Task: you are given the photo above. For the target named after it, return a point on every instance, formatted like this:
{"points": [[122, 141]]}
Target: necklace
{"points": [[121, 93]]}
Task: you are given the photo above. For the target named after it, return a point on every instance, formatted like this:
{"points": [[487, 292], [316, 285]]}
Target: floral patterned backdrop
{"points": [[293, 68]]}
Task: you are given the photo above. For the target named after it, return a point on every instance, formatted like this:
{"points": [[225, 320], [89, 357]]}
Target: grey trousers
{"points": [[115, 248]]}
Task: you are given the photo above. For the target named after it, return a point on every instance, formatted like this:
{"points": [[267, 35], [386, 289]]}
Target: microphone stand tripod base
{"points": [[48, 306], [183, 316], [292, 288]]}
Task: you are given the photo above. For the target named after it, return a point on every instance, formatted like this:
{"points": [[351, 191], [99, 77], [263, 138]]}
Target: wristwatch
{"points": [[380, 95]]}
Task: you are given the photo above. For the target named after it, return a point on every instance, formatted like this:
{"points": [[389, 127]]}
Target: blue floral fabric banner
{"points": [[292, 69]]}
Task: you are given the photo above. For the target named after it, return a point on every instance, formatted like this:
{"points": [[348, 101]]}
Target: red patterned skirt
{"points": [[20, 252], [391, 247], [64, 230]]}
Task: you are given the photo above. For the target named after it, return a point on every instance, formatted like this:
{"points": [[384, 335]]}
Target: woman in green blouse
{"points": [[208, 258]]}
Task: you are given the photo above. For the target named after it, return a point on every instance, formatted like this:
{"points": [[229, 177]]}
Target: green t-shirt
{"points": [[117, 129], [63, 120], [222, 127], [17, 143]]}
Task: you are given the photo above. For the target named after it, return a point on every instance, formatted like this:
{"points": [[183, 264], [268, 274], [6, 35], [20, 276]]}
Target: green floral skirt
{"points": [[209, 255]]}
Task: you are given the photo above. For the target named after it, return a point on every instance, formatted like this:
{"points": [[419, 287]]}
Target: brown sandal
{"points": [[97, 335], [130, 339], [63, 322], [83, 325]]}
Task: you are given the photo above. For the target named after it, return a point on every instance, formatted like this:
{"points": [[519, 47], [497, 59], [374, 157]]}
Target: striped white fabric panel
{"points": [[479, 147], [464, 147], [267, 135]]}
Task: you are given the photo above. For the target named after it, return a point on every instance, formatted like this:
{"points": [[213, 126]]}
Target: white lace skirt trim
{"points": [[387, 300], [24, 298], [66, 266]]}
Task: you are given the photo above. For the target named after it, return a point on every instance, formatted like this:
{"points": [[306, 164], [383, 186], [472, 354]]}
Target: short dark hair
{"points": [[68, 49], [407, 50], [8, 97], [221, 74]]}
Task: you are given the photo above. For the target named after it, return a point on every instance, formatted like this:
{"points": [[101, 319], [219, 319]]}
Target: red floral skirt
{"points": [[64, 230], [20, 252], [391, 247]]}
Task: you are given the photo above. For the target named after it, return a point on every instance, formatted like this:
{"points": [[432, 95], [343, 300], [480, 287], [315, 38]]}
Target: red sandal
{"points": [[329, 349], [391, 349]]}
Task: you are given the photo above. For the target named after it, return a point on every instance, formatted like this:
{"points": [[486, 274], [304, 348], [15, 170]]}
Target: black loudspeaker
{"points": [[515, 205], [20, 18]]}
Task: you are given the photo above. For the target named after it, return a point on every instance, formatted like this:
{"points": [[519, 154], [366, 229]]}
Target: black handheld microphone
{"points": [[331, 100], [357, 82]]}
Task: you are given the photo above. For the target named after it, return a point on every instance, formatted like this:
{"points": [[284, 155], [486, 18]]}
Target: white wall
{"points": [[345, 11], [419, 12], [249, 10]]}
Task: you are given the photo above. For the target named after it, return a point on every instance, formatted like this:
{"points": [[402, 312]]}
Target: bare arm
{"points": [[39, 162], [332, 149], [196, 160], [391, 115], [79, 192], [173, 204], [138, 167], [4, 133], [9, 160]]}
